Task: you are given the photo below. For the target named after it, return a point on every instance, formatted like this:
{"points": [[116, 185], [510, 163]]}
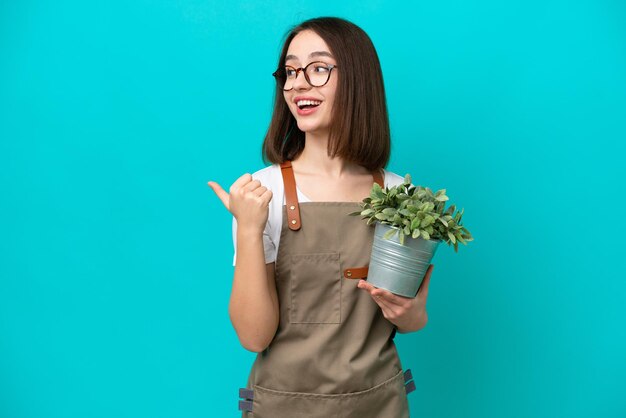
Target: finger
{"points": [[253, 185], [267, 196], [221, 193], [392, 299], [259, 191], [423, 290], [387, 309], [362, 284], [236, 187], [365, 285], [263, 195], [241, 181]]}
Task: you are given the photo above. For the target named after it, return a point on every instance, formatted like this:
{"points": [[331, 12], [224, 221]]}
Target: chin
{"points": [[306, 127], [309, 127]]}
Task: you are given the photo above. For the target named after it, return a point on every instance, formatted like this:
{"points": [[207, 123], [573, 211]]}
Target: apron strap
{"points": [[361, 272], [378, 178], [291, 196], [356, 272]]}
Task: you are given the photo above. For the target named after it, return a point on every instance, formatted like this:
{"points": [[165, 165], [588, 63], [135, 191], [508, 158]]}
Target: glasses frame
{"points": [[283, 78]]}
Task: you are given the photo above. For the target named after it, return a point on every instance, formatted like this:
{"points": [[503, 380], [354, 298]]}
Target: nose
{"points": [[300, 82]]}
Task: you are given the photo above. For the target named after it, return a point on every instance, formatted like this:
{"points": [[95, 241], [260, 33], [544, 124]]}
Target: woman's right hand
{"points": [[248, 201]]}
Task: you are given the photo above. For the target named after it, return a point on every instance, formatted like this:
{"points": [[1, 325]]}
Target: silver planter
{"points": [[396, 267]]}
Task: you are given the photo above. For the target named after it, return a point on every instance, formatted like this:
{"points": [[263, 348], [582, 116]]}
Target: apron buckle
{"points": [[409, 384], [247, 395]]}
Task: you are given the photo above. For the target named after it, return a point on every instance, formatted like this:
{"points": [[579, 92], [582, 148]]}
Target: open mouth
{"points": [[308, 104]]}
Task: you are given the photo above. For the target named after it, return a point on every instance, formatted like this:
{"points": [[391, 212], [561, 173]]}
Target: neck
{"points": [[314, 159]]}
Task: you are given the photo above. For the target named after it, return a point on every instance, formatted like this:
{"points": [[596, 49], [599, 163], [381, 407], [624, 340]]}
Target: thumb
{"points": [[223, 196]]}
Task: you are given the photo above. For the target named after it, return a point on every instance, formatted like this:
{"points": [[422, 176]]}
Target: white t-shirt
{"points": [[272, 178]]}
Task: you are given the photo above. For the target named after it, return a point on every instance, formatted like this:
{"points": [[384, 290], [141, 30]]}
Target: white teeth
{"points": [[301, 103]]}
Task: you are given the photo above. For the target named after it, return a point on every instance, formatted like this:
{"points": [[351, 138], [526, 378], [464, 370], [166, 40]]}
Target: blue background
{"points": [[116, 257]]}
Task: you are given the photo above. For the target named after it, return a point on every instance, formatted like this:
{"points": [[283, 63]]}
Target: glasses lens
{"points": [[317, 73], [288, 76]]}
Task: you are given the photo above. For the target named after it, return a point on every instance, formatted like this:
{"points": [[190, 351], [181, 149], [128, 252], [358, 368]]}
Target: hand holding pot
{"points": [[408, 314], [248, 201]]}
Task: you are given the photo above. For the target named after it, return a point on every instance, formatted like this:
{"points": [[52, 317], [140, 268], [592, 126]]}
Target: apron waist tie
{"points": [[245, 403], [409, 385]]}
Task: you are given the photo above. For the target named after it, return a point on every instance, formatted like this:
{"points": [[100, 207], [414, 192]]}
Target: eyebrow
{"points": [[311, 55]]}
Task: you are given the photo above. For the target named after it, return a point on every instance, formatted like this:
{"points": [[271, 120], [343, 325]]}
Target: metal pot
{"points": [[396, 267]]}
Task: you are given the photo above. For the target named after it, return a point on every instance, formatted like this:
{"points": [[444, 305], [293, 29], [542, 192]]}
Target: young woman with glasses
{"points": [[300, 297]]}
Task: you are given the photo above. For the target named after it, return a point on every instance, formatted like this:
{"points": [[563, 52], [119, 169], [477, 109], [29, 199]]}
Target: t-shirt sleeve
{"points": [[393, 179], [269, 247]]}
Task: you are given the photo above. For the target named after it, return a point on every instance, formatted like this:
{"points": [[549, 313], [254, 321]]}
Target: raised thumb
{"points": [[223, 196]]}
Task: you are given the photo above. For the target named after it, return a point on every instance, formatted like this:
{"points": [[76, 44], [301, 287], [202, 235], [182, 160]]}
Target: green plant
{"points": [[414, 211]]}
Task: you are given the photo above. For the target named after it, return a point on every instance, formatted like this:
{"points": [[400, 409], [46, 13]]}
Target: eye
{"points": [[320, 68], [289, 72]]}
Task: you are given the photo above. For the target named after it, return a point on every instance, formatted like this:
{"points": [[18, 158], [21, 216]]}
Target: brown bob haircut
{"points": [[359, 127]]}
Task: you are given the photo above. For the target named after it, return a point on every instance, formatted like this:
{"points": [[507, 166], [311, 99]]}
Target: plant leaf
{"points": [[390, 233]]}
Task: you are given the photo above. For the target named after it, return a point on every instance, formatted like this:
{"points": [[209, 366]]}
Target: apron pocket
{"points": [[386, 400], [315, 288]]}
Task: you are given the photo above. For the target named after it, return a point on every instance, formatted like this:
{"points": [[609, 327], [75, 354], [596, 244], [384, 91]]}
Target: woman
{"points": [[323, 334]]}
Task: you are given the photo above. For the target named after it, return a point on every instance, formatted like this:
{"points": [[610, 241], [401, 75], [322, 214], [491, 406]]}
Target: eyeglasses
{"points": [[316, 73]]}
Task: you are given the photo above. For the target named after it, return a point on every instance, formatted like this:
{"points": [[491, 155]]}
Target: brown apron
{"points": [[333, 354]]}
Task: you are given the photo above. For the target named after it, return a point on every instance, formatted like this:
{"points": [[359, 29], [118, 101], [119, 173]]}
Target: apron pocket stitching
{"points": [[390, 381], [315, 288]]}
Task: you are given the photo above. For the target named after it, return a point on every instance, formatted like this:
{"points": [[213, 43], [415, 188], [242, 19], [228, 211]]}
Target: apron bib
{"points": [[333, 354]]}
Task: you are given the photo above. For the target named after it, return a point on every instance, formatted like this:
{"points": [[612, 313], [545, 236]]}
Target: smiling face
{"points": [[307, 47]]}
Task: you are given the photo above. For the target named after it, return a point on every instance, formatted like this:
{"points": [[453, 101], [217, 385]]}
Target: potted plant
{"points": [[410, 224]]}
